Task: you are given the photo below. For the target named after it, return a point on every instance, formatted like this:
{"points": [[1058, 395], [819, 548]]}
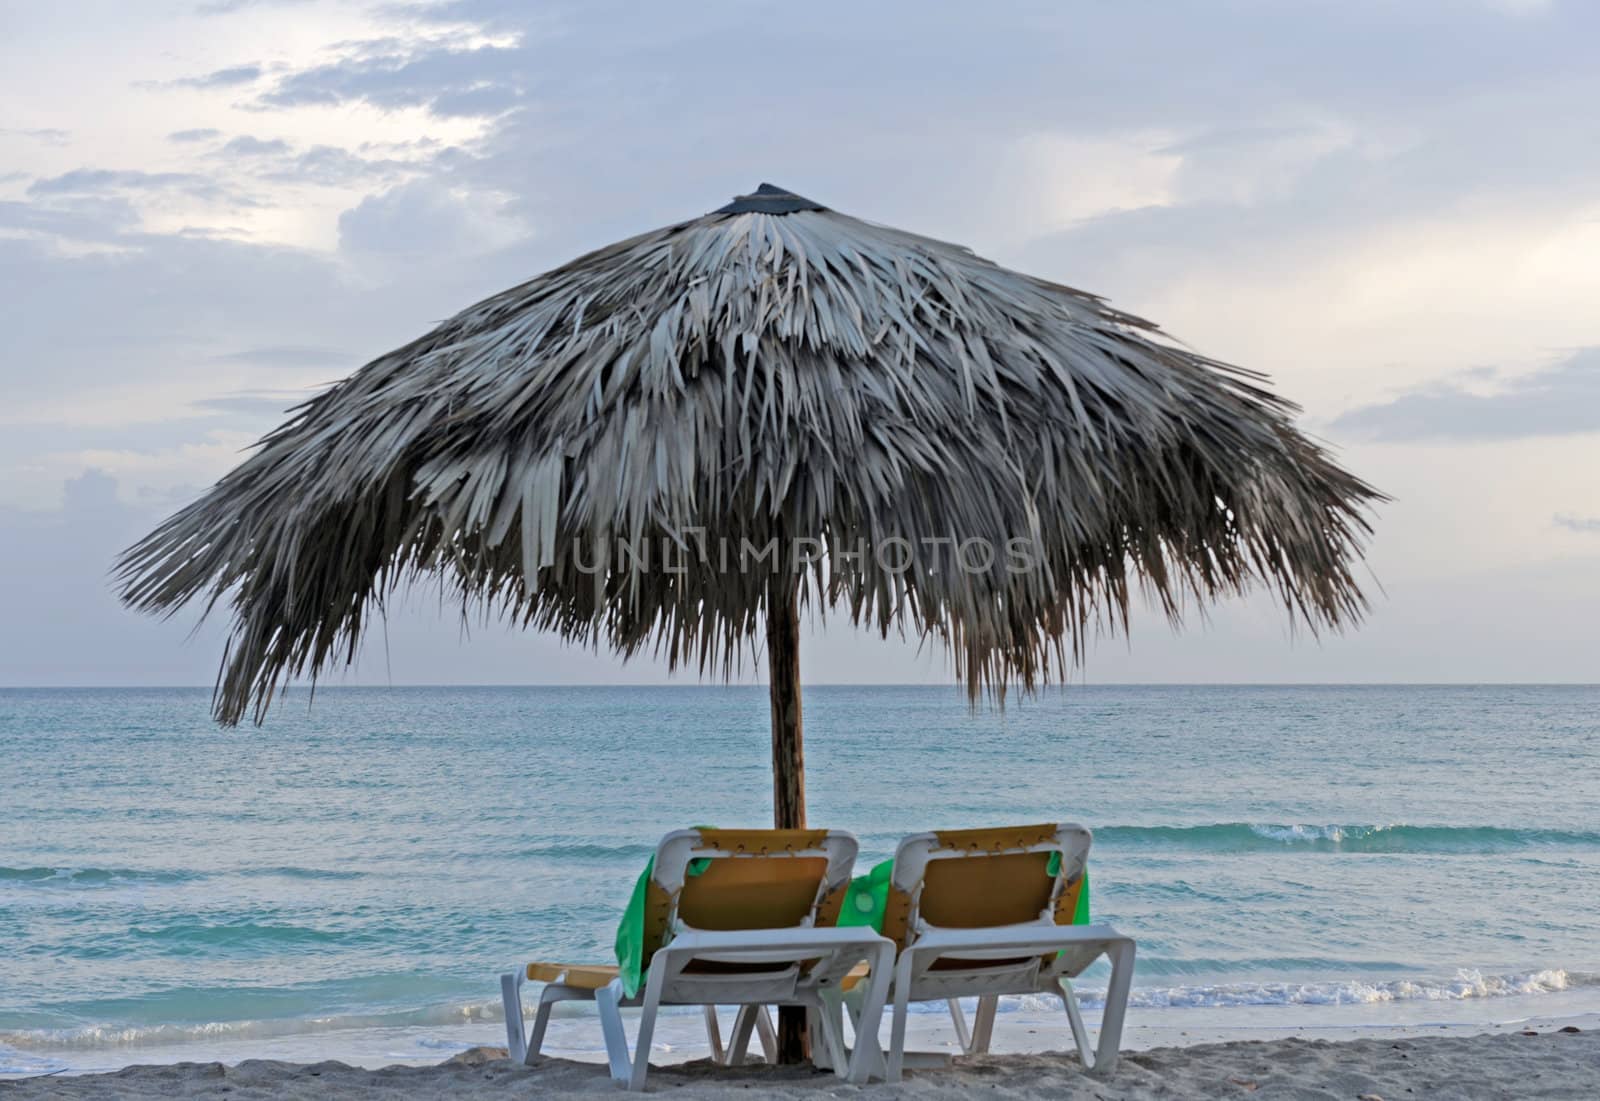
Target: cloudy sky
{"points": [[211, 208]]}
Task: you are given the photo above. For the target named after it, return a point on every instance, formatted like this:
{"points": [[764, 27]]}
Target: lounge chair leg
{"points": [[714, 1035], [870, 1046], [983, 1024], [552, 994], [834, 1002], [958, 1017], [1080, 1035], [767, 1034], [607, 1000], [832, 1009], [511, 996], [827, 1045], [897, 1026], [867, 1059], [852, 1004], [647, 1027], [1103, 1059], [821, 1041], [1117, 991], [744, 1024]]}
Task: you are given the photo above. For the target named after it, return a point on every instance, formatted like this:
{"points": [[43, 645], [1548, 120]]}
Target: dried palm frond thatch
{"points": [[772, 370]]}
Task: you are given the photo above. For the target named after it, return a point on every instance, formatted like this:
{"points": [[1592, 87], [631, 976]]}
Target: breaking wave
{"points": [[94, 877], [1466, 984], [1268, 837]]}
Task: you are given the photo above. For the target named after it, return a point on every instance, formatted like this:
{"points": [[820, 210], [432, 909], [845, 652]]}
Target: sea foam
{"points": [[1467, 983]]}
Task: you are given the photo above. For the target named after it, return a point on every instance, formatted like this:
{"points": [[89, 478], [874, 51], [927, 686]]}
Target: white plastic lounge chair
{"points": [[976, 913], [754, 928]]}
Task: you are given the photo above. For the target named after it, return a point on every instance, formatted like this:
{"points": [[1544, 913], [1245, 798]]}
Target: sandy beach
{"points": [[1548, 1061]]}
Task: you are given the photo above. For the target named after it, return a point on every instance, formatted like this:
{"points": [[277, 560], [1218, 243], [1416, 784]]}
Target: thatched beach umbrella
{"points": [[682, 437]]}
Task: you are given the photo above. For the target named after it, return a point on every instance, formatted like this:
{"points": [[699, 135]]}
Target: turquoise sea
{"points": [[349, 880]]}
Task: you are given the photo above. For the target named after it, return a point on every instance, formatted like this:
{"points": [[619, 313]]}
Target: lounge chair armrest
{"points": [[836, 950], [1028, 936]]}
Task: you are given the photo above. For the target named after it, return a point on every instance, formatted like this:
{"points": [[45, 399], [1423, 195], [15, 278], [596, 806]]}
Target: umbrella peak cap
{"points": [[769, 199]]}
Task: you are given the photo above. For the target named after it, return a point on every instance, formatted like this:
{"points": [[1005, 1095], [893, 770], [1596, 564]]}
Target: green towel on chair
{"points": [[868, 896], [630, 930]]}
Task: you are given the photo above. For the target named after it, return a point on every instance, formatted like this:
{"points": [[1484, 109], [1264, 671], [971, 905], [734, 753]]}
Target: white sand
{"points": [[1549, 1063]]}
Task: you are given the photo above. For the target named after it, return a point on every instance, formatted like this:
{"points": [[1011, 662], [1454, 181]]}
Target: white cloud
{"points": [[1341, 314], [1248, 165], [423, 219], [1055, 180]]}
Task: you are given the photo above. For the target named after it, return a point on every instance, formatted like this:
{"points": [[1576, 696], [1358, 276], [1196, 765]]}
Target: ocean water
{"points": [[350, 880]]}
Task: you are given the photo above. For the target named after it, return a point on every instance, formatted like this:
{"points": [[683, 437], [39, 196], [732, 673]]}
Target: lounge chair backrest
{"points": [[750, 879], [974, 879]]}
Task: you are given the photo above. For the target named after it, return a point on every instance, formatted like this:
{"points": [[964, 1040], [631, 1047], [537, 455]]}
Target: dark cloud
{"points": [[288, 355], [253, 403], [1588, 525], [78, 219], [99, 181], [223, 78], [276, 160], [48, 135], [91, 491], [330, 166], [164, 307], [202, 134], [210, 233], [1231, 138], [415, 145], [414, 219], [483, 101], [445, 78], [247, 146], [1560, 400]]}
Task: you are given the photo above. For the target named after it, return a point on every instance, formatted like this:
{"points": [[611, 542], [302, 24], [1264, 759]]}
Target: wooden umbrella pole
{"points": [[788, 758], [783, 670]]}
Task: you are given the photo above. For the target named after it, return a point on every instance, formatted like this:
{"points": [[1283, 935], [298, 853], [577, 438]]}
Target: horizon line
{"points": [[829, 684]]}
